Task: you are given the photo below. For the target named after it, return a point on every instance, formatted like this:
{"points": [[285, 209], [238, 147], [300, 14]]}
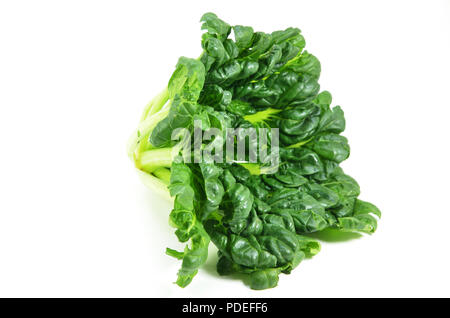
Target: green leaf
{"points": [[214, 26], [363, 207], [243, 36], [263, 279], [331, 147], [185, 86], [184, 219]]}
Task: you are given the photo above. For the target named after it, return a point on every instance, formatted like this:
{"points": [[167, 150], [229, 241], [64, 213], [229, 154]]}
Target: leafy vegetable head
{"points": [[258, 218]]}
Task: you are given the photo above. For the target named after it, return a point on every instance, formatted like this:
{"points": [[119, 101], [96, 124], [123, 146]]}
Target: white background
{"points": [[75, 219]]}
